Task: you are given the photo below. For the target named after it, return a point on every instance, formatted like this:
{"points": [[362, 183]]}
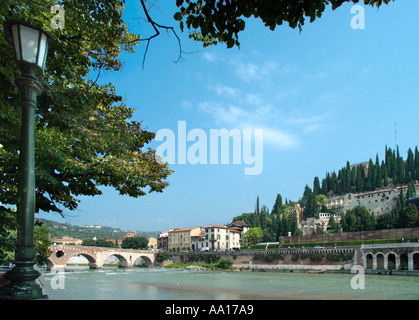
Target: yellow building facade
{"points": [[181, 239]]}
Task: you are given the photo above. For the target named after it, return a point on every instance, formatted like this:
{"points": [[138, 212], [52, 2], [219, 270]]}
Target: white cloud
{"points": [[211, 57], [187, 105], [250, 71], [268, 103], [259, 117], [279, 138], [253, 99], [223, 90]]}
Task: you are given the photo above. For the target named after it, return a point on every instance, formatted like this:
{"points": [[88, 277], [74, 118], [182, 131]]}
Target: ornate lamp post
{"points": [[31, 47]]}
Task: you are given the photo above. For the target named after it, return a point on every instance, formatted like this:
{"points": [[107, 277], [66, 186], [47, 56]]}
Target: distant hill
{"points": [[59, 230]]}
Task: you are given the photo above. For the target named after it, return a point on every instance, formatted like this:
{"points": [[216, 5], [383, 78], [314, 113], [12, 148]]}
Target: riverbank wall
{"points": [[392, 258], [298, 260]]}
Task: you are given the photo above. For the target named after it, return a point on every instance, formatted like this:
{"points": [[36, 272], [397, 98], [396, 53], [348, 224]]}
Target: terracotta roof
{"points": [[183, 230], [216, 226], [239, 223]]}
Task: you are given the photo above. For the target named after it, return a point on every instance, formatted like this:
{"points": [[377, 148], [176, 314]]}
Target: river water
{"points": [[179, 284]]}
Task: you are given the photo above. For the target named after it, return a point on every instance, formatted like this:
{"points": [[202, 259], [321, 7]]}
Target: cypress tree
{"points": [[379, 176], [257, 211], [400, 170], [263, 218], [347, 183], [360, 174], [369, 181], [385, 176], [316, 185], [284, 224], [309, 202], [410, 167], [402, 200], [277, 205], [292, 224], [353, 179], [324, 186], [411, 216], [411, 191], [334, 181], [278, 226], [394, 169], [416, 163]]}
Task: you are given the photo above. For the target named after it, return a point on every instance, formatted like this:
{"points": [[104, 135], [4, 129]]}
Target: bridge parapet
{"points": [[247, 252], [391, 245]]}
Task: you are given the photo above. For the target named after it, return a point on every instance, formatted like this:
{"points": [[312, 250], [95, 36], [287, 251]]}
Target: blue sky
{"points": [[327, 95]]}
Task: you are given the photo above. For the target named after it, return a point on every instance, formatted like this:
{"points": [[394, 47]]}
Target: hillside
{"points": [[59, 230]]}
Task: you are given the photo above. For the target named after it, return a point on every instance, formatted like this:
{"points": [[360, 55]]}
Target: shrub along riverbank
{"points": [[221, 264]]}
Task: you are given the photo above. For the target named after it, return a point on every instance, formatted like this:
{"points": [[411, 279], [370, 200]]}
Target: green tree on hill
{"points": [[252, 236], [358, 219], [136, 243], [42, 243], [411, 218]]}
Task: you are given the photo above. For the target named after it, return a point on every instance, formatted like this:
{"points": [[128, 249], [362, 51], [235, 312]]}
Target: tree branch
{"points": [[156, 27]]}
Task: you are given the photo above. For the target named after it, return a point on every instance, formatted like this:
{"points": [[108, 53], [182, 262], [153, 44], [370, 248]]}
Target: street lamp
{"points": [[31, 46]]}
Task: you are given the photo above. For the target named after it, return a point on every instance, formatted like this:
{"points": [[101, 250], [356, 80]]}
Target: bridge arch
{"points": [[369, 261], [415, 259], [404, 261], [391, 261], [123, 263], [92, 260], [380, 260], [142, 261]]}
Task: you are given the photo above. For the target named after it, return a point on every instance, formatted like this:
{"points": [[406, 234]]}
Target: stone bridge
{"points": [[96, 256], [397, 256]]}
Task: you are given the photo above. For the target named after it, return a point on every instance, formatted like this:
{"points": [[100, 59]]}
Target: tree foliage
{"points": [[392, 171], [42, 243], [213, 21], [253, 236], [358, 219], [134, 243], [268, 226], [8, 234], [85, 137]]}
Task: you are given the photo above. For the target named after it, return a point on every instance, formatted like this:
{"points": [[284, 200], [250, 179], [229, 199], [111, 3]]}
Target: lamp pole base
{"points": [[27, 290], [20, 283]]}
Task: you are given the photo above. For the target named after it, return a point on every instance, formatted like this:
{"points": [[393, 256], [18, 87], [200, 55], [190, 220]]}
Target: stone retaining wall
{"points": [[403, 233], [275, 260]]}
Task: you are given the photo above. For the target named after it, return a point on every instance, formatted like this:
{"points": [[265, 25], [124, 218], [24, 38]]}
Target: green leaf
{"points": [[178, 16]]}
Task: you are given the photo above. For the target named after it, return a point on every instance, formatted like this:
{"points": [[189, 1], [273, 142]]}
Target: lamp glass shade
{"points": [[16, 42], [31, 45]]}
